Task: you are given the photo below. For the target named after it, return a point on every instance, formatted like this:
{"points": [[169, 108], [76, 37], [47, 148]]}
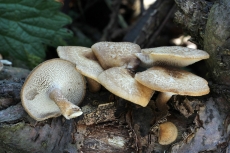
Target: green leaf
{"points": [[27, 26]]}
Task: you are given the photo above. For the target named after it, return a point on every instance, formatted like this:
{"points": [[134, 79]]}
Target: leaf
{"points": [[27, 26]]}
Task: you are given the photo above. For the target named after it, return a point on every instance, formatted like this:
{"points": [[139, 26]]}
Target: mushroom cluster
{"points": [[57, 86], [109, 64]]}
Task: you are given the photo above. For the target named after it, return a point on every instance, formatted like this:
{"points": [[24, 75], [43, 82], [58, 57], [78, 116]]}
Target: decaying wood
{"points": [[193, 15], [208, 132]]}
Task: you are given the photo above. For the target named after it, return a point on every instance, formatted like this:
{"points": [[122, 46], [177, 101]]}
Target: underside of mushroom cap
{"points": [[116, 54], [55, 73], [172, 56], [120, 82], [84, 58], [174, 80]]}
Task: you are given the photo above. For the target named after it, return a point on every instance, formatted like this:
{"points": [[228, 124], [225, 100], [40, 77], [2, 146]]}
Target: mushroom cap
{"points": [[116, 54], [167, 133], [120, 82], [84, 58], [172, 56], [145, 60], [51, 74], [174, 80]]}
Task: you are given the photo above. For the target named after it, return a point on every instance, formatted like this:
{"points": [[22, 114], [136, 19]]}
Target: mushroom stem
{"points": [[162, 99], [68, 109], [93, 85]]}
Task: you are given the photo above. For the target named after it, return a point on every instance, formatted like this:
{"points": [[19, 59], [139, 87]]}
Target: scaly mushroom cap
{"points": [[173, 80], [172, 56], [120, 82], [167, 133], [86, 62], [116, 54], [55, 73]]}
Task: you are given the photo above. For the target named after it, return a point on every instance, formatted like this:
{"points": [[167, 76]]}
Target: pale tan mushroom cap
{"points": [[86, 62], [177, 81], [167, 133], [120, 82], [55, 73], [116, 54], [173, 56]]}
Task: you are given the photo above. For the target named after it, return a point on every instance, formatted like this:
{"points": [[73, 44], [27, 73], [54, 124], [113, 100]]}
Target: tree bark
{"points": [[209, 25]]}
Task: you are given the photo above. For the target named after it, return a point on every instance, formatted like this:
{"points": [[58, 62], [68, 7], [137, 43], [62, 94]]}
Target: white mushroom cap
{"points": [[167, 133], [44, 79], [120, 82], [116, 54], [84, 58], [172, 56], [173, 80]]}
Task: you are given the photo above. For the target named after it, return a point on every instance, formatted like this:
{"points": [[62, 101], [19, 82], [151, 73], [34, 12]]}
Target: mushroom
{"points": [[172, 81], [53, 88], [167, 133], [172, 56], [86, 63], [116, 54], [120, 82]]}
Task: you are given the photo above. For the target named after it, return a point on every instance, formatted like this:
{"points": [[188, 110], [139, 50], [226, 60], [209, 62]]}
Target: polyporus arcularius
{"points": [[117, 54], [117, 58], [86, 63], [176, 56], [167, 133], [120, 82], [52, 89], [172, 81]]}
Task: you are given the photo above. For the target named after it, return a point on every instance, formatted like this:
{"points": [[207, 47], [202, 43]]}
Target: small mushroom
{"points": [[120, 82], [171, 56], [53, 88], [167, 133], [172, 81], [86, 63], [117, 54]]}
